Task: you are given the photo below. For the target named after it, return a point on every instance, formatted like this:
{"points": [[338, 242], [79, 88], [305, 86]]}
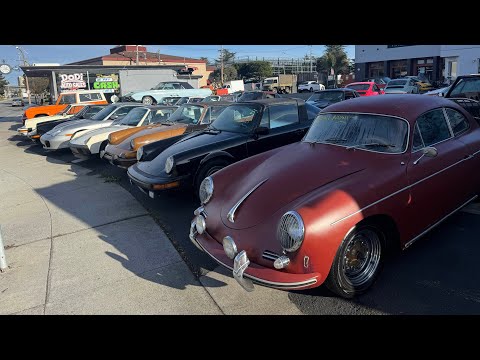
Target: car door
{"points": [[434, 192], [284, 127]]}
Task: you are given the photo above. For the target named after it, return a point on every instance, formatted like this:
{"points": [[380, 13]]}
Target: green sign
{"points": [[106, 85]]}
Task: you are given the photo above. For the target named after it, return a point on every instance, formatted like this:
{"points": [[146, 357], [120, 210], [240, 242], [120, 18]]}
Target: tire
{"points": [[148, 100], [103, 145], [311, 89], [211, 167], [348, 283]]}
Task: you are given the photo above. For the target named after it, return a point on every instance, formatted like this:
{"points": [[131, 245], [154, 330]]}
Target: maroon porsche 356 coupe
{"points": [[372, 174]]}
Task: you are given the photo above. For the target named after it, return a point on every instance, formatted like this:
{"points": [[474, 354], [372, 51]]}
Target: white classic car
{"points": [[310, 86], [166, 89], [87, 143], [59, 137]]}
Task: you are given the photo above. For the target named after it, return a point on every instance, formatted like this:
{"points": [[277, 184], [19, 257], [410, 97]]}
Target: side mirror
{"points": [[429, 151], [262, 130]]}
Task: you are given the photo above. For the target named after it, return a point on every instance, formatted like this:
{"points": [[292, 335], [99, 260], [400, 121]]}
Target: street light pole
{"points": [[25, 63]]}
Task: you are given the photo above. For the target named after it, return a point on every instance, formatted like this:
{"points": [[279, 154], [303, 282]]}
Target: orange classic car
{"points": [[123, 145], [65, 98]]}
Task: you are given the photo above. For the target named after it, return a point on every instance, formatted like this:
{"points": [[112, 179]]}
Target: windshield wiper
{"points": [[370, 144]]}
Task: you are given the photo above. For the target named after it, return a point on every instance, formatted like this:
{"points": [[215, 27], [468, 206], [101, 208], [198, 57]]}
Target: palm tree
{"points": [[334, 58]]}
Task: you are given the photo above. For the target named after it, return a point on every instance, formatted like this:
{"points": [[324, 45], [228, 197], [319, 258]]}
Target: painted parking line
{"points": [[472, 209]]}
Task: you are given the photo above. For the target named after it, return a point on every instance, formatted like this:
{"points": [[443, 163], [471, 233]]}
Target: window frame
{"points": [[283, 126], [450, 125], [420, 132]]}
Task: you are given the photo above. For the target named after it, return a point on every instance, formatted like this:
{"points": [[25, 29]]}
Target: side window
{"points": [[67, 99], [312, 111], [458, 122], [265, 118], [89, 97], [283, 115], [207, 117], [375, 88], [433, 127], [215, 111]]}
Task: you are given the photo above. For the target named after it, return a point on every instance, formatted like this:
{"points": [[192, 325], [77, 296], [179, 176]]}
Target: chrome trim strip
{"points": [[437, 223], [399, 191], [265, 282], [231, 213], [269, 255]]}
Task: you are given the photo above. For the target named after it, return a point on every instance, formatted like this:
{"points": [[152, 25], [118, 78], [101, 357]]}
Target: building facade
{"points": [[131, 55], [395, 61], [460, 60]]}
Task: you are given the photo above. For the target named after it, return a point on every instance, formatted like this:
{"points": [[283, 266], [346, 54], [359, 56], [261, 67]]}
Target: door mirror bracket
{"points": [[429, 151]]}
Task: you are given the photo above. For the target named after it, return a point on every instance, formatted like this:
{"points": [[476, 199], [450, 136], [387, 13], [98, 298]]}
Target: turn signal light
{"points": [[165, 186]]}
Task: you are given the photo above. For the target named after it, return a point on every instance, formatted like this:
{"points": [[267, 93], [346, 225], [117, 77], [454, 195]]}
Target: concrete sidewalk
{"points": [[79, 244]]}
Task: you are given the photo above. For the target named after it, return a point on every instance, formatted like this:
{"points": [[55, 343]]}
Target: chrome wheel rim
{"points": [[147, 101], [361, 257]]}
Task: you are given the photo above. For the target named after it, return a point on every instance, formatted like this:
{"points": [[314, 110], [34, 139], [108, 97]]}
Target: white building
{"points": [[460, 60]]}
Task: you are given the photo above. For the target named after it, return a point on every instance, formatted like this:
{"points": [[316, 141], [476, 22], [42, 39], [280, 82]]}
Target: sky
{"points": [[64, 54]]}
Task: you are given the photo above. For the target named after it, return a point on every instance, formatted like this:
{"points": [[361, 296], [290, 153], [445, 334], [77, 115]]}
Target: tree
{"points": [[228, 58], [229, 73], [38, 85], [3, 82], [334, 58], [254, 69], [205, 59]]}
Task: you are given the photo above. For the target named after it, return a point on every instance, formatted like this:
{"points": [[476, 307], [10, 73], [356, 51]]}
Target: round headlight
{"points": [[169, 164], [200, 224], [290, 231], [140, 154], [132, 144], [229, 247], [206, 190]]}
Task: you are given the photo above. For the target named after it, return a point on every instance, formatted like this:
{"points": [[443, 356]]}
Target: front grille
{"points": [[290, 222], [270, 255]]}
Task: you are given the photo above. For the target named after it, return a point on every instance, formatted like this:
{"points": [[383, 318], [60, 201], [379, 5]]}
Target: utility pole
{"points": [[25, 63], [221, 66], [137, 55]]}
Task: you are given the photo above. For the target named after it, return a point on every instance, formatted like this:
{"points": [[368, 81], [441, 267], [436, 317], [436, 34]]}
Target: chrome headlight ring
{"points": [[291, 231], [169, 163], [205, 192]]}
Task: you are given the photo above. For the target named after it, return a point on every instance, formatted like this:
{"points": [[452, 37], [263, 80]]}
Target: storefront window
{"points": [[398, 69], [376, 69], [424, 68]]}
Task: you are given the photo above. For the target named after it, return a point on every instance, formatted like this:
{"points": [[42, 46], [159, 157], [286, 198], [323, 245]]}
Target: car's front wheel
{"points": [[358, 261], [148, 100]]}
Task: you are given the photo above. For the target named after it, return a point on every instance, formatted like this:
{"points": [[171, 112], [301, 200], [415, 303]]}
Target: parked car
{"points": [[423, 83], [438, 92], [30, 125], [188, 100], [17, 102], [212, 98], [167, 88], [232, 97], [465, 86], [365, 88], [170, 100], [241, 130], [322, 99], [59, 137], [65, 98], [84, 144], [88, 112], [402, 86], [123, 146], [258, 95], [310, 86], [283, 220], [380, 81]]}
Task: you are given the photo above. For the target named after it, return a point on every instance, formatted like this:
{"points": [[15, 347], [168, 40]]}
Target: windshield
{"points": [[379, 133], [187, 114], [102, 114], [133, 117], [359, 86], [161, 115], [237, 118], [466, 85], [248, 96], [331, 96], [65, 111], [397, 82]]}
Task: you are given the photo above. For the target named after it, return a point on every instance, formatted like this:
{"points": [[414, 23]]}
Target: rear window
{"points": [[359, 86], [90, 97], [397, 82]]}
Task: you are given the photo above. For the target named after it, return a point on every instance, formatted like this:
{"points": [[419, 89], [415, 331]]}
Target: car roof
{"points": [[337, 89], [407, 106], [156, 107], [125, 103], [273, 101]]}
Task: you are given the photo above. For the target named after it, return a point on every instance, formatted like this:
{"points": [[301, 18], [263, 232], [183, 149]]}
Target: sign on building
{"points": [[107, 83], [72, 82]]}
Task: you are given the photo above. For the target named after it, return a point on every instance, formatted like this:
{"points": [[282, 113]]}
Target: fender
{"points": [[215, 155], [152, 150]]}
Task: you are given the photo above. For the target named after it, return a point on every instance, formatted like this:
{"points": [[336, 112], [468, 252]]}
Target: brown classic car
{"points": [[123, 145], [372, 175]]}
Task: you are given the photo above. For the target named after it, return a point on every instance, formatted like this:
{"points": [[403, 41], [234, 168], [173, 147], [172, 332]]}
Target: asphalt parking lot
{"points": [[437, 275]]}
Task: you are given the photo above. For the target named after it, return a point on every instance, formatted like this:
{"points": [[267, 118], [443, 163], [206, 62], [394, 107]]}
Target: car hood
{"points": [[152, 133], [98, 131], [75, 125], [288, 176], [194, 144]]}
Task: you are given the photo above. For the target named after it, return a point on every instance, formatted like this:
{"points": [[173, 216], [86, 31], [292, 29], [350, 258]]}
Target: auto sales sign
{"points": [[106, 83], [72, 81]]}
